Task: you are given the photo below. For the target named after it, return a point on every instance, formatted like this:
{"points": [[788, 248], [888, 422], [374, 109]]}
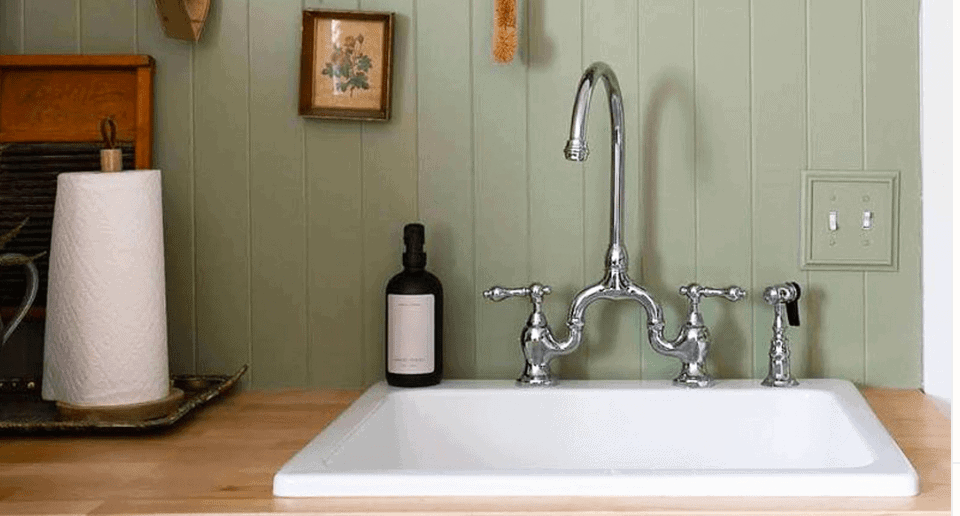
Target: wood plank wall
{"points": [[281, 231]]}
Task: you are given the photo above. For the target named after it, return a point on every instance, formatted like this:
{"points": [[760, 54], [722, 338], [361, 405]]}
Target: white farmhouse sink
{"points": [[609, 438]]}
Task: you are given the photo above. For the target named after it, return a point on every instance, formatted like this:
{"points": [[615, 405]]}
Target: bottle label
{"points": [[410, 339]]}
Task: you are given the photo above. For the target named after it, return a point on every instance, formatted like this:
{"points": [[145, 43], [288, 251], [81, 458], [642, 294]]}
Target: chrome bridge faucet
{"points": [[539, 344]]}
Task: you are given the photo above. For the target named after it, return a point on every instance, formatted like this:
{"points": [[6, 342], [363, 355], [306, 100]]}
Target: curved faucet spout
{"points": [[577, 150]]}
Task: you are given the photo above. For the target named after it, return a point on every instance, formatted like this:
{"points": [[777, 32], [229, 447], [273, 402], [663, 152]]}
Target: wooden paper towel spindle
{"points": [[111, 159]]}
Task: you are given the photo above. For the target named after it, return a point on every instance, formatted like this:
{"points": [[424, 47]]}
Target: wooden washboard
{"points": [[50, 111]]}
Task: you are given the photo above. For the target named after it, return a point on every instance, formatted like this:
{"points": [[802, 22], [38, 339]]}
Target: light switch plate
{"points": [[844, 243]]}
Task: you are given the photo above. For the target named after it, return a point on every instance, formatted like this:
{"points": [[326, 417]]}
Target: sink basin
{"points": [[603, 438]]}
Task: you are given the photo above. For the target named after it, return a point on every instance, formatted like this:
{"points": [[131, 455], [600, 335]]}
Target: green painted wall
{"points": [[282, 231]]}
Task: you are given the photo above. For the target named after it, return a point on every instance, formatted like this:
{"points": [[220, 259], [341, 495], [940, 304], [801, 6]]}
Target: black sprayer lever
{"points": [[793, 309]]}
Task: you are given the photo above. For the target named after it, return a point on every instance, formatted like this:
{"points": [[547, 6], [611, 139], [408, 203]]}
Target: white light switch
{"points": [[833, 221], [867, 220]]}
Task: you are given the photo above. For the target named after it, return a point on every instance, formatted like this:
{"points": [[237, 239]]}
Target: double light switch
{"points": [[850, 220], [833, 220]]}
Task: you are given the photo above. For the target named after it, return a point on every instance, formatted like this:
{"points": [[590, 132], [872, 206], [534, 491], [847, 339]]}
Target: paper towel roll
{"points": [[106, 327]]}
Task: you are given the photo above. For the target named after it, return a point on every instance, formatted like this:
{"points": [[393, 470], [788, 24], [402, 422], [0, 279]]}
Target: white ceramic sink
{"points": [[603, 438]]}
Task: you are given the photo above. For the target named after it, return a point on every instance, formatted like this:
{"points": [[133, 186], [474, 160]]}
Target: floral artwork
{"points": [[348, 65]]}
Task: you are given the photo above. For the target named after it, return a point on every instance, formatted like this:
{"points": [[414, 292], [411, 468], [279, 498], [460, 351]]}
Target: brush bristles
{"points": [[505, 30], [505, 44]]}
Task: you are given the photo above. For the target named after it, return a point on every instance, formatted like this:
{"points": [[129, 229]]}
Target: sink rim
{"points": [[889, 474]]}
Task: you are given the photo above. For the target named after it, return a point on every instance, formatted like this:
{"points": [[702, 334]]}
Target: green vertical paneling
{"points": [[892, 142], [389, 182], [779, 153], [11, 19], [335, 253], [173, 137], [835, 141], [556, 185], [501, 181], [109, 26], [724, 200], [277, 234], [666, 147], [50, 27], [334, 245], [835, 81], [281, 231], [834, 325], [222, 182], [446, 204], [612, 336]]}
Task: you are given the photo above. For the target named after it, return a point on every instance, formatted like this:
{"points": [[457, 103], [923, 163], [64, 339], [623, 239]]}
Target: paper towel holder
{"points": [[105, 341], [121, 413], [111, 158]]}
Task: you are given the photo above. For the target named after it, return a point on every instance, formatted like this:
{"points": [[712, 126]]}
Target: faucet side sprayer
{"points": [[784, 298], [537, 340]]}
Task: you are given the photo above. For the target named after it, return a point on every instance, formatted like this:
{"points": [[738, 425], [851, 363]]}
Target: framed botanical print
{"points": [[346, 65]]}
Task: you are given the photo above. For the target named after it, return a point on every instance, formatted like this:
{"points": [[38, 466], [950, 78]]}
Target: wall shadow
{"points": [[670, 88], [535, 47], [811, 301]]}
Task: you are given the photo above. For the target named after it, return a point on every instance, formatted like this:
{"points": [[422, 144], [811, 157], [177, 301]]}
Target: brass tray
{"points": [[22, 413]]}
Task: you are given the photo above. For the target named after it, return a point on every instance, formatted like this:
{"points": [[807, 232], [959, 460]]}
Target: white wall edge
{"points": [[955, 280], [942, 404], [936, 129]]}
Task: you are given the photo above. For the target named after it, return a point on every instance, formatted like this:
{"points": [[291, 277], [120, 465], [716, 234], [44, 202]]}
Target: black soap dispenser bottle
{"points": [[414, 347]]}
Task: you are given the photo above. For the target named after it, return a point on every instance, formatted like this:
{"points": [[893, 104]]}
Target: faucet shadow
{"points": [[720, 364], [812, 365], [670, 88], [602, 335], [566, 368]]}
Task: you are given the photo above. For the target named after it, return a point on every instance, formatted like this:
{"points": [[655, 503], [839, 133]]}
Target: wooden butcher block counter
{"points": [[222, 461]]}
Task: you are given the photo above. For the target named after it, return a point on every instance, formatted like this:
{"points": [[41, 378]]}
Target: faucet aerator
{"points": [[576, 150]]}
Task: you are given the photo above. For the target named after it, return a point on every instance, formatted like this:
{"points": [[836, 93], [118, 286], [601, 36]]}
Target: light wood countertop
{"points": [[223, 461]]}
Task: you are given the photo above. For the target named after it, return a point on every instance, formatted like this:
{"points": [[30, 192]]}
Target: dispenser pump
{"points": [[413, 255]]}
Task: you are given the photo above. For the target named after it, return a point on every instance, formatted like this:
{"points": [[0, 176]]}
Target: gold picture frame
{"points": [[346, 65]]}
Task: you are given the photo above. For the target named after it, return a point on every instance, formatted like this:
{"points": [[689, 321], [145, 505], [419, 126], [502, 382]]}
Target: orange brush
{"points": [[504, 30]]}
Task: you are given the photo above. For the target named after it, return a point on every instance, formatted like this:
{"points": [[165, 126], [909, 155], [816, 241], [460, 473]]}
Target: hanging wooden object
{"points": [[183, 19]]}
